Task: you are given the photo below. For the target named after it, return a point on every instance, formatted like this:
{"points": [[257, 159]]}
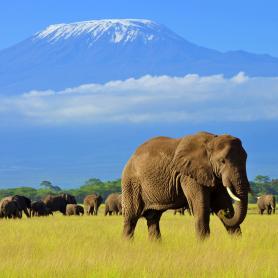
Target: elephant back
{"points": [[55, 203], [22, 202], [38, 206], [113, 200], [91, 199]]}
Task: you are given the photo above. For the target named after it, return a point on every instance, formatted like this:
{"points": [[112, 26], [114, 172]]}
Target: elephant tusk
{"points": [[232, 195]]}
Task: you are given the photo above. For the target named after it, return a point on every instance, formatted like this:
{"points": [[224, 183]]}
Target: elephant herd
{"points": [[203, 173], [14, 206]]}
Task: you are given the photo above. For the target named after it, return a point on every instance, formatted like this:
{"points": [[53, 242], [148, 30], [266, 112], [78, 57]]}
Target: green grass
{"points": [[90, 246]]}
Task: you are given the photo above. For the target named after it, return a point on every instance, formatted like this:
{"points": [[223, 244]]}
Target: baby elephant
{"points": [[266, 202], [73, 209], [39, 208]]}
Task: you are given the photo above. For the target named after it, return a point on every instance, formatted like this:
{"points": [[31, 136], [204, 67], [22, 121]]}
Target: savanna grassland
{"points": [[89, 246]]}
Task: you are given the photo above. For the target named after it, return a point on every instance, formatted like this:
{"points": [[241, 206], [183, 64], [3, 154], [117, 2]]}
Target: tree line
{"points": [[260, 185], [46, 187]]}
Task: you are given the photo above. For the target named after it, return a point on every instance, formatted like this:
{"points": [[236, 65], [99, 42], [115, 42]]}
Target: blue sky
{"points": [[223, 25], [47, 143]]}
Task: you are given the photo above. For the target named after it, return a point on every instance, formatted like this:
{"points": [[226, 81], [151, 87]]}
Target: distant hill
{"points": [[97, 51]]}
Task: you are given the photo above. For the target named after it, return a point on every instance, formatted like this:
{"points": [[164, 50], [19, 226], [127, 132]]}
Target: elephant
{"points": [[203, 171], [74, 209], [59, 202], [92, 203], [9, 209], [39, 208], [182, 210], [23, 203], [113, 204], [266, 202]]}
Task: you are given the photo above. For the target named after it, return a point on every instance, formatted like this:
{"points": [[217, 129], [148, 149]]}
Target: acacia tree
{"points": [[50, 186]]}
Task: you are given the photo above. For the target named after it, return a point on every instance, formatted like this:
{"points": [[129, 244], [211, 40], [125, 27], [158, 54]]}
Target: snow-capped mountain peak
{"points": [[114, 30], [98, 51]]}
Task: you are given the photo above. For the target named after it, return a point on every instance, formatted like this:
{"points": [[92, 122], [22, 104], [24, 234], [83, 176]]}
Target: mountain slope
{"points": [[66, 55]]}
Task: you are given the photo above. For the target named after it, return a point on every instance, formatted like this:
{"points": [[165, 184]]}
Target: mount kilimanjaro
{"points": [[97, 51]]}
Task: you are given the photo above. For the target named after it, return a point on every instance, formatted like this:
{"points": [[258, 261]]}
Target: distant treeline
{"points": [[261, 185], [46, 187]]}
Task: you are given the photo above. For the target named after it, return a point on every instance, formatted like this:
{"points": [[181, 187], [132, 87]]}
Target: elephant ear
{"points": [[192, 158]]}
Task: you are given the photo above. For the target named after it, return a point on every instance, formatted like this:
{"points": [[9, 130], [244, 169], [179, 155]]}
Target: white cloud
{"points": [[150, 99]]}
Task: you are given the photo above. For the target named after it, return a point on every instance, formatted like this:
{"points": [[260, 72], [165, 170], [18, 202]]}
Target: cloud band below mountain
{"points": [[149, 99]]}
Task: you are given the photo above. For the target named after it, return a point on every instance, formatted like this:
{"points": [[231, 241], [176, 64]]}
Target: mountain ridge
{"points": [[97, 51]]}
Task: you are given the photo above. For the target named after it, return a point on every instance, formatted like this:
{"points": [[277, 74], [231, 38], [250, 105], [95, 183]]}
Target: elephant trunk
{"points": [[240, 210]]}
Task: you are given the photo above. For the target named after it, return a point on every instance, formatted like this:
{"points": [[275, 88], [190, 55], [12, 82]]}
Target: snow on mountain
{"points": [[97, 51], [118, 30]]}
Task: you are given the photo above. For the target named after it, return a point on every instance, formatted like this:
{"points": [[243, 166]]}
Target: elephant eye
{"points": [[222, 161]]}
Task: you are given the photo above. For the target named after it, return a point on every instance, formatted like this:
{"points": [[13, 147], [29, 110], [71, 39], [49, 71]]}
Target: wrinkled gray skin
{"points": [[113, 204], [59, 202], [266, 202], [92, 203], [39, 208], [194, 171], [9, 209], [74, 210]]}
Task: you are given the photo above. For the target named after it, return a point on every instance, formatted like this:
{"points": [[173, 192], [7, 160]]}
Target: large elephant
{"points": [[39, 208], [74, 209], [59, 202], [92, 203], [203, 171], [113, 204], [23, 203], [9, 209], [266, 202]]}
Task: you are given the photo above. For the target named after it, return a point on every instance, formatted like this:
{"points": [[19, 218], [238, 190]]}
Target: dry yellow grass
{"points": [[86, 246]]}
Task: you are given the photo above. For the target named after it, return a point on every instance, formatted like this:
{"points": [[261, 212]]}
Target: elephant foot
{"points": [[129, 228], [202, 229], [154, 231], [236, 231]]}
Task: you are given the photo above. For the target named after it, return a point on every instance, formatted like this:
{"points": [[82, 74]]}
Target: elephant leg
{"points": [[133, 207], [26, 212], [129, 226], [198, 197], [106, 210], [95, 210], [153, 217]]}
